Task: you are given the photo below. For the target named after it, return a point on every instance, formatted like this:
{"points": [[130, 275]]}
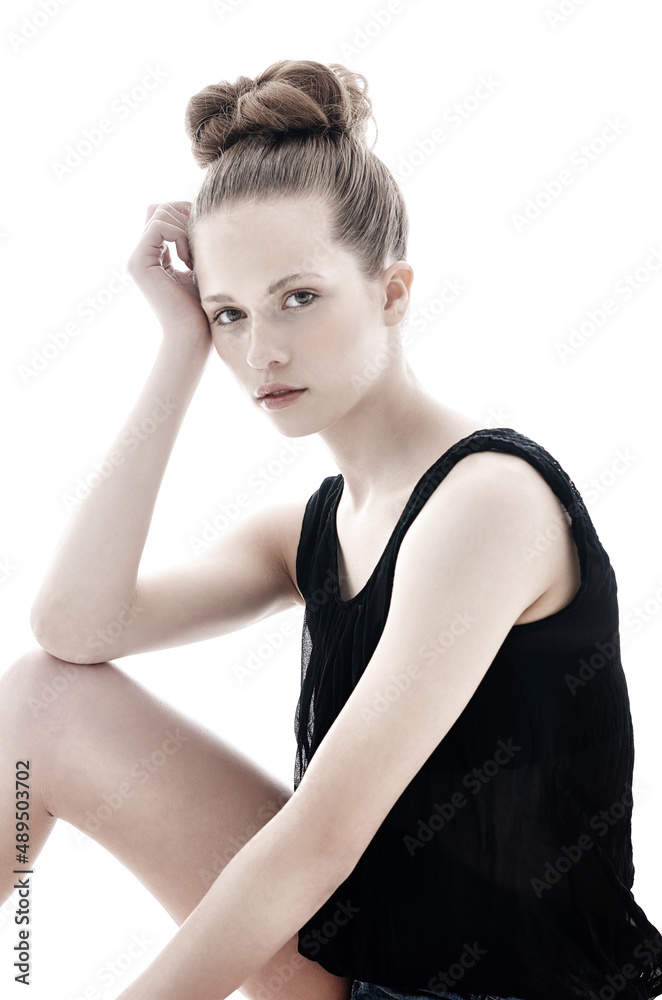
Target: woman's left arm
{"points": [[462, 570]]}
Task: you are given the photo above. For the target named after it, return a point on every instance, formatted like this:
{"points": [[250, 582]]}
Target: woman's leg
{"points": [[163, 794]]}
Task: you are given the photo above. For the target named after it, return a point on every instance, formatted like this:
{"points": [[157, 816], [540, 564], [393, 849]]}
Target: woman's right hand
{"points": [[172, 294]]}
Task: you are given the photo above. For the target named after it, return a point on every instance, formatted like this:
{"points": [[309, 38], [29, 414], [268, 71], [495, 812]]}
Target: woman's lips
{"points": [[279, 400]]}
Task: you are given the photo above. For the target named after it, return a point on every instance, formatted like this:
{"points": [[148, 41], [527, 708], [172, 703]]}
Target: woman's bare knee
{"points": [[137, 775], [34, 684], [27, 687]]}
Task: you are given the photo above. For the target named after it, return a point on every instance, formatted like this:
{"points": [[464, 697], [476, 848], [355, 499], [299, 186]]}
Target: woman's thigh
{"points": [[171, 800]]}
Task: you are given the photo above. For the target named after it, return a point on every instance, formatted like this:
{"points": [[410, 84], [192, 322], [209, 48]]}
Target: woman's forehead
{"points": [[304, 208]]}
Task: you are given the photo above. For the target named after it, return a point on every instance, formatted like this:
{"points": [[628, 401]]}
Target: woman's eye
{"points": [[230, 322], [301, 292], [217, 317]]}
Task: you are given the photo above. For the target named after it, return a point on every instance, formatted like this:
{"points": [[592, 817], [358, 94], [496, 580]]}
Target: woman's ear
{"points": [[397, 280]]}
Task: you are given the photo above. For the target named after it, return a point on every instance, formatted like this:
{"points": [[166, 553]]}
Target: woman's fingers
{"points": [[175, 214], [158, 231], [171, 292], [183, 207]]}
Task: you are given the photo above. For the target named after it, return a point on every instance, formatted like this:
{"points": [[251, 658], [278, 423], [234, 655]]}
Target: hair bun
{"points": [[290, 97]]}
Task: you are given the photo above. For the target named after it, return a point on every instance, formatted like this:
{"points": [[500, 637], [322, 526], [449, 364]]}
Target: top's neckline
{"points": [[334, 510]]}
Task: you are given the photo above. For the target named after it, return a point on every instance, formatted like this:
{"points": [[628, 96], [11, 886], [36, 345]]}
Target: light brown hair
{"points": [[299, 128]]}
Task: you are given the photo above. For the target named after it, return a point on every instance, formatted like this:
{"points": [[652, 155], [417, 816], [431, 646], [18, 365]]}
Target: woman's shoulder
{"points": [[501, 481], [500, 454], [507, 453]]}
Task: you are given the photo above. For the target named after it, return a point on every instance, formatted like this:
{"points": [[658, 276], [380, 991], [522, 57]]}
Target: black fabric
{"points": [[513, 883]]}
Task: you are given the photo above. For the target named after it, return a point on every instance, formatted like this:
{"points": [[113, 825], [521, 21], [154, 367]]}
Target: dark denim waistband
{"points": [[371, 991]]}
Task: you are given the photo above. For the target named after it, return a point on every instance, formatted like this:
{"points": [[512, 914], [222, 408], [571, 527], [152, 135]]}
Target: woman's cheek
{"points": [[226, 350]]}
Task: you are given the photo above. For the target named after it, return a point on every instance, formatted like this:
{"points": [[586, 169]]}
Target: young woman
{"points": [[460, 822]]}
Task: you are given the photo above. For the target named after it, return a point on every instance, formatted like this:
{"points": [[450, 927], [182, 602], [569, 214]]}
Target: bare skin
{"points": [[206, 777], [383, 436]]}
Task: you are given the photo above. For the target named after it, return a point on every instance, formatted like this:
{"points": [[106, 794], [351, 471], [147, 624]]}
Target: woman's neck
{"points": [[392, 435]]}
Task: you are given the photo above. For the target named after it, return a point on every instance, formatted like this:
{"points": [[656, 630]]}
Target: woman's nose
{"points": [[265, 345]]}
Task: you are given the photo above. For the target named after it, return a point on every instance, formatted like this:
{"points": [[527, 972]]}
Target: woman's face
{"points": [[286, 305]]}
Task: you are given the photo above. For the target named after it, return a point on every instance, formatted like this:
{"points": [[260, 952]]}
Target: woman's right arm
{"points": [[89, 607]]}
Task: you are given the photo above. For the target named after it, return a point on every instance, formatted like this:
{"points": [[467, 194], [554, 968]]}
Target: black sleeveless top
{"points": [[505, 866]]}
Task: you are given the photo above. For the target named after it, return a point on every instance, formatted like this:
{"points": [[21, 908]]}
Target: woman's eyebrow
{"points": [[271, 290]]}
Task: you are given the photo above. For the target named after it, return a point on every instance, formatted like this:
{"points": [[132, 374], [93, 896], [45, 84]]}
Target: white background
{"points": [[493, 353]]}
